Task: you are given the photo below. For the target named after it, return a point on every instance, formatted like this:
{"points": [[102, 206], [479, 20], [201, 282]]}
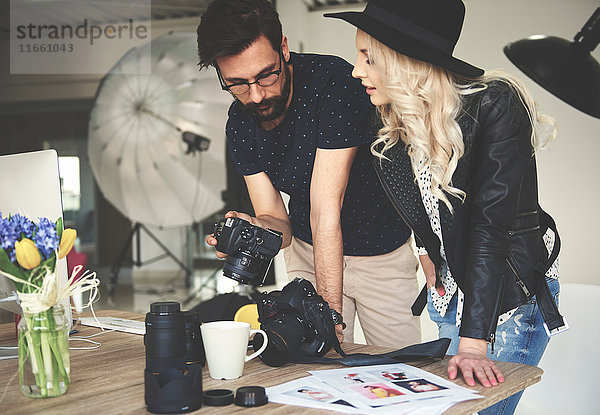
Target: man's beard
{"points": [[275, 106]]}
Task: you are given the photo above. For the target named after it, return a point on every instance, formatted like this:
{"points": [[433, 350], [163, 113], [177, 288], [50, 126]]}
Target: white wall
{"points": [[569, 169]]}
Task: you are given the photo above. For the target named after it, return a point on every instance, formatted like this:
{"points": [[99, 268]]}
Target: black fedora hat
{"points": [[422, 29]]}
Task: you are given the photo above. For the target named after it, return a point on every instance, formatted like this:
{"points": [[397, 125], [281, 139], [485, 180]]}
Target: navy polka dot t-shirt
{"points": [[329, 109]]}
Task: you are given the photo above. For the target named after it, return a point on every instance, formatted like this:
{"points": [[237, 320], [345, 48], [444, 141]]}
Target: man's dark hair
{"points": [[228, 27]]}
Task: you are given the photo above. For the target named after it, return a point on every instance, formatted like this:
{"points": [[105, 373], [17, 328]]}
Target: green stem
{"points": [[60, 349], [47, 359], [55, 368], [33, 342], [23, 356], [61, 358]]}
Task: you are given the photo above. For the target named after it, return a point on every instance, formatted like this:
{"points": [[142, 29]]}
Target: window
{"points": [[70, 183]]}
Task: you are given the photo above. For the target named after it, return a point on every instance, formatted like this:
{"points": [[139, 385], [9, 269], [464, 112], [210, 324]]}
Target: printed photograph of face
{"points": [[419, 385]]}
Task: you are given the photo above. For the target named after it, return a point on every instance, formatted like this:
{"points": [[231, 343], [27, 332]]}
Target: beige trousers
{"points": [[379, 289]]}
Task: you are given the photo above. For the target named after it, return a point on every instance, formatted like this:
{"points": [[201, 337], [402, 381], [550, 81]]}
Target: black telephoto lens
{"points": [[170, 384], [165, 336]]}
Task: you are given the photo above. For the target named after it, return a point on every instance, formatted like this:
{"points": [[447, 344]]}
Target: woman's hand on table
{"points": [[472, 361]]}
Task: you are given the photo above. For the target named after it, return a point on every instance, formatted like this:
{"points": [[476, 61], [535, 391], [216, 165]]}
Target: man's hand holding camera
{"points": [[248, 249], [212, 241]]}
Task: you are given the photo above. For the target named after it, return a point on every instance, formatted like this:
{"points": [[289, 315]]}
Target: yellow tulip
{"points": [[66, 242], [27, 254]]}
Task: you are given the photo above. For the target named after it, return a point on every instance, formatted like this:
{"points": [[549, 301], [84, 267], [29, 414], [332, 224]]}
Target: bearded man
{"points": [[300, 124]]}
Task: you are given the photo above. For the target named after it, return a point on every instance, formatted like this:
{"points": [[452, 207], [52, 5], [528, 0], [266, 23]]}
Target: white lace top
{"points": [[440, 303]]}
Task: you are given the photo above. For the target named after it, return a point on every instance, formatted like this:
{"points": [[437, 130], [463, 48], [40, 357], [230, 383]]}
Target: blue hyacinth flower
{"points": [[46, 237]]}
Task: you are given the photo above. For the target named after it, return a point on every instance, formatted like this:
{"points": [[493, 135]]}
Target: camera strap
{"points": [[433, 349]]}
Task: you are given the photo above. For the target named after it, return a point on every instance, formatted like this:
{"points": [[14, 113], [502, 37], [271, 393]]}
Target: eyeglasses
{"points": [[240, 88]]}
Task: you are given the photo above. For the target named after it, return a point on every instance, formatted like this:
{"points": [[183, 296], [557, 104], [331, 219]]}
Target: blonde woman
{"points": [[456, 155]]}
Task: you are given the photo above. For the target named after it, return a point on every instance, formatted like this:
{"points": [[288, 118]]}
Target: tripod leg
{"points": [[166, 250], [116, 268]]}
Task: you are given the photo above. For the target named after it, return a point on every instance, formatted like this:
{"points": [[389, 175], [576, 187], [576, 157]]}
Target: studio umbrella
{"points": [[157, 141]]}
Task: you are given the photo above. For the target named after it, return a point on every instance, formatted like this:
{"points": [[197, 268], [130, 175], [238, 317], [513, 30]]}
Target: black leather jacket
{"points": [[493, 241]]}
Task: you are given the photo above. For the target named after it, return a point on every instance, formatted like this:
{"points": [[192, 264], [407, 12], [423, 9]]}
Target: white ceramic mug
{"points": [[225, 345]]}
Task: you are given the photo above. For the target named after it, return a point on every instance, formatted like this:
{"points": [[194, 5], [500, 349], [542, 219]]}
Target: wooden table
{"points": [[110, 379]]}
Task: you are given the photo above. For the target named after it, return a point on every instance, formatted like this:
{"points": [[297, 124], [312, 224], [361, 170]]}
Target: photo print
{"points": [[390, 375], [353, 378], [378, 391], [419, 385], [392, 388], [344, 378], [312, 393]]}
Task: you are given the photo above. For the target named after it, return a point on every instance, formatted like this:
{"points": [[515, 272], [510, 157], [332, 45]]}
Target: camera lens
{"points": [[240, 267], [245, 268], [170, 385], [165, 336], [194, 348], [250, 249]]}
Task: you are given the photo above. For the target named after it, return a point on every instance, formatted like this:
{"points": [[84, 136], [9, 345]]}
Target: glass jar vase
{"points": [[44, 365]]}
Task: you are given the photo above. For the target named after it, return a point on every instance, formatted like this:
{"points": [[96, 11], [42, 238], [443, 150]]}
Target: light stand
{"points": [[135, 231], [195, 142]]}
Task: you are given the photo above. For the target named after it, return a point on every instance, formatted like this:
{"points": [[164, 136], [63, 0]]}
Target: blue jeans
{"points": [[521, 339]]}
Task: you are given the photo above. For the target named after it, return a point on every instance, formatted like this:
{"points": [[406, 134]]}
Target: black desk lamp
{"points": [[566, 69]]}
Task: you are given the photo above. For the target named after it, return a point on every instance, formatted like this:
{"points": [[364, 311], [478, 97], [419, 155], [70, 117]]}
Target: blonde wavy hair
{"points": [[425, 102]]}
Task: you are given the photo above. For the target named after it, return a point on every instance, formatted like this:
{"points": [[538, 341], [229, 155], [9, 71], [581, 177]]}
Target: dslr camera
{"points": [[298, 322], [250, 249]]}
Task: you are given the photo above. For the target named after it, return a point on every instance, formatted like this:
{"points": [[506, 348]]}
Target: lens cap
{"points": [[251, 396], [218, 397], [165, 307]]}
